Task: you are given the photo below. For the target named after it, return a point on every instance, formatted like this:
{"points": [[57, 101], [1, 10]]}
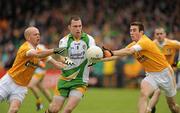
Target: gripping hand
{"points": [[59, 50], [107, 52], [68, 61]]}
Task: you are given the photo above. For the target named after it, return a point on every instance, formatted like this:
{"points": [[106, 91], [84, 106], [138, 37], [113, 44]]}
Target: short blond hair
{"points": [[28, 31]]}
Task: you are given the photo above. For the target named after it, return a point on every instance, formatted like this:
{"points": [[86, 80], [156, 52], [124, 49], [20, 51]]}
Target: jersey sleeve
{"points": [[176, 44], [143, 44], [63, 42], [25, 51], [137, 47], [30, 51], [91, 41], [130, 45]]}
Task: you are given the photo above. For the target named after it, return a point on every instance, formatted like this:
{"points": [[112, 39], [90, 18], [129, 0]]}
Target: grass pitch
{"points": [[98, 101]]}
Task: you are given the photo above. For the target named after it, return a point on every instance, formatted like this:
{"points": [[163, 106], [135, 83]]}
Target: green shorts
{"points": [[64, 87]]}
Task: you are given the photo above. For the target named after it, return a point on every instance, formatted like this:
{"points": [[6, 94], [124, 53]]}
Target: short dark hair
{"points": [[139, 24], [75, 17]]}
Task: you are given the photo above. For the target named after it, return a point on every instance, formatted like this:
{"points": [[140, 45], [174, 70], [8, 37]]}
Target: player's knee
{"points": [[53, 108], [144, 95], [157, 92], [30, 86], [13, 109], [48, 111], [68, 110], [41, 86]]}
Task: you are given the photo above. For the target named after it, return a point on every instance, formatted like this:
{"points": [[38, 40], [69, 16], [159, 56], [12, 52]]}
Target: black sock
{"points": [[153, 109]]}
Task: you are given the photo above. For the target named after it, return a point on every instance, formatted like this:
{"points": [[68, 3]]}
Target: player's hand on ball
{"points": [[68, 61], [59, 50], [107, 52], [95, 60]]}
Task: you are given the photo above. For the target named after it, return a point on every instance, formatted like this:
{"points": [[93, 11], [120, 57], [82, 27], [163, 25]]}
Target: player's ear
{"points": [[142, 32], [27, 38]]}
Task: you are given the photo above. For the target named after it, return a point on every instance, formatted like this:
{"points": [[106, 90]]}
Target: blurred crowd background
{"points": [[107, 20]]}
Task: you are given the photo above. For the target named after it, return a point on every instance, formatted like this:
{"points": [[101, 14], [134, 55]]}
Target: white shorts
{"points": [[10, 90], [164, 80]]}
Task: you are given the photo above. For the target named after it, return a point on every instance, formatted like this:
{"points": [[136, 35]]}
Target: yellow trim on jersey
{"points": [[56, 91], [72, 76], [82, 89]]}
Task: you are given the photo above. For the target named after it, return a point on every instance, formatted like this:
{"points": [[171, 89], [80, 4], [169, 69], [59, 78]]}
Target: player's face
{"points": [[76, 28], [160, 34], [34, 37], [135, 33]]}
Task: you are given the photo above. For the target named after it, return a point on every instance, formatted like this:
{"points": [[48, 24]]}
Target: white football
{"points": [[94, 52]]}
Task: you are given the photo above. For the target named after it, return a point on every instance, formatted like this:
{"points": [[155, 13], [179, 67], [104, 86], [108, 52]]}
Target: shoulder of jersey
{"points": [[89, 36], [41, 46], [171, 42]]}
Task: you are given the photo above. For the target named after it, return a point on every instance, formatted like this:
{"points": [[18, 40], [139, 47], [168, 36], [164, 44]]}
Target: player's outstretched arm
{"points": [[123, 52], [45, 52], [56, 64], [66, 60], [109, 58], [59, 51], [113, 55]]}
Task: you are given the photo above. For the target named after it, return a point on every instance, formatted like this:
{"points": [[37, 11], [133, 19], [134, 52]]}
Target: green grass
{"points": [[99, 101]]}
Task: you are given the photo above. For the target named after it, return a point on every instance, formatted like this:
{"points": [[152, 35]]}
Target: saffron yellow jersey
{"points": [[168, 48], [149, 56], [23, 66]]}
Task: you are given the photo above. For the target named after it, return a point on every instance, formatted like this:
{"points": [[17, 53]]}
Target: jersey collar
{"points": [[31, 46], [83, 35]]}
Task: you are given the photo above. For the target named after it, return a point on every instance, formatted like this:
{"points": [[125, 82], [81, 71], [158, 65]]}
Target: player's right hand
{"points": [[107, 52], [59, 50], [93, 61], [68, 61]]}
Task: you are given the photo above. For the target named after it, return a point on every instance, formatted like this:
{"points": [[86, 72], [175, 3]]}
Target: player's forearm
{"points": [[123, 52], [56, 64], [109, 58], [45, 53]]}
